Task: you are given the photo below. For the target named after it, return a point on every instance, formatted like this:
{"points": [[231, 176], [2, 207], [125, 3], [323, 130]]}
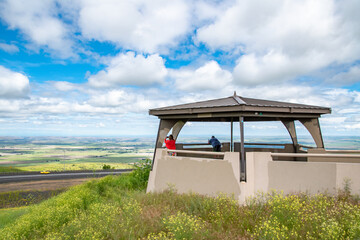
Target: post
{"points": [[290, 126], [313, 126], [242, 152], [231, 141], [157, 138], [164, 128]]}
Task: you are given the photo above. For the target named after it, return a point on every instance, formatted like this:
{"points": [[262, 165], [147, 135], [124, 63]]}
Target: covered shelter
{"points": [[240, 109]]}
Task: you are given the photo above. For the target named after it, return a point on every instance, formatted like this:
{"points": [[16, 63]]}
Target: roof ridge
{"points": [[238, 99]]}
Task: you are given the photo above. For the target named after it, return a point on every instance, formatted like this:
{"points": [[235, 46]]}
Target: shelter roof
{"points": [[239, 105]]}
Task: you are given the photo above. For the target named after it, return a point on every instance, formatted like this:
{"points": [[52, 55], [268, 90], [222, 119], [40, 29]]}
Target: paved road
{"points": [[58, 175]]}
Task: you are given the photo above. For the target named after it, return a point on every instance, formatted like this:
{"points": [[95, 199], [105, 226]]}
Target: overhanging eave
{"points": [[249, 116], [237, 109]]}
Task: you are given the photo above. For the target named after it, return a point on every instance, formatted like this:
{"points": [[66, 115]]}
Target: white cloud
{"points": [[131, 69], [13, 84], [10, 106], [114, 98], [123, 101], [210, 76], [39, 22], [272, 67], [283, 39], [352, 126], [64, 86], [140, 25], [9, 48], [349, 77]]}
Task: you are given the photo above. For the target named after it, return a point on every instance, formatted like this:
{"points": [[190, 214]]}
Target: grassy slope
{"points": [[118, 208], [25, 198], [9, 215]]}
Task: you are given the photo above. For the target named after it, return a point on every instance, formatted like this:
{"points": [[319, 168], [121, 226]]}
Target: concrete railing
{"points": [[341, 151], [322, 157]]}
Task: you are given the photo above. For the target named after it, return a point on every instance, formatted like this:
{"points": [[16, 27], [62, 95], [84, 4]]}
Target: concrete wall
{"points": [[211, 176], [265, 175], [204, 176]]}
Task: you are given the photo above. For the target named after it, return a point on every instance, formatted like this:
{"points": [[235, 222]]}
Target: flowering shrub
{"points": [[311, 217], [183, 226], [116, 207]]}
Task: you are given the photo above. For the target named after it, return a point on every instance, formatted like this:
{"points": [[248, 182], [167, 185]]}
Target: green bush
{"points": [[140, 175], [105, 167]]}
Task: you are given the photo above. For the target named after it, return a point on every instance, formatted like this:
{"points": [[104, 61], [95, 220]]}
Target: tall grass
{"points": [[118, 208], [25, 198], [9, 215]]}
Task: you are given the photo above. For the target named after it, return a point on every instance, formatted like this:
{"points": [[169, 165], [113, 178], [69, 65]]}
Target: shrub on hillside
{"points": [[140, 175], [106, 167]]}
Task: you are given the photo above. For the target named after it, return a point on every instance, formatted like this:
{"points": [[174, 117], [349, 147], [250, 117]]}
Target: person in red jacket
{"points": [[170, 144]]}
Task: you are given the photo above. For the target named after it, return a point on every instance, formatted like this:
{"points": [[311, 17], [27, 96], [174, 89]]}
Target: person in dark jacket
{"points": [[215, 143]]}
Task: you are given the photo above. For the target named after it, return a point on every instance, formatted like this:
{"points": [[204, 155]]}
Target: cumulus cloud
{"points": [[131, 69], [284, 39], [210, 76], [9, 48], [139, 25], [13, 84], [272, 67], [39, 22], [348, 77], [64, 86], [123, 100]]}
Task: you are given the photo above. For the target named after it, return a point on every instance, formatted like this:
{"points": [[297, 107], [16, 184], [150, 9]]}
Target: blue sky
{"points": [[94, 68]]}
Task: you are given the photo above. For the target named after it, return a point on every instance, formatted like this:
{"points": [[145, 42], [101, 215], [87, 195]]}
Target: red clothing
{"points": [[170, 144]]}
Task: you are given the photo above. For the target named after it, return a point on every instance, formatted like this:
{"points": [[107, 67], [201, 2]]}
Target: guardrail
{"points": [[225, 146], [198, 154]]}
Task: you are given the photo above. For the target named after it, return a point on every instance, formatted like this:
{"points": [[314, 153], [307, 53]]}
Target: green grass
{"points": [[9, 215], [25, 198], [118, 208], [72, 166], [9, 169]]}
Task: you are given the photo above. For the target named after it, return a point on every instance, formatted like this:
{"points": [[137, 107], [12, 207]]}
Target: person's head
{"points": [[171, 137], [212, 137]]}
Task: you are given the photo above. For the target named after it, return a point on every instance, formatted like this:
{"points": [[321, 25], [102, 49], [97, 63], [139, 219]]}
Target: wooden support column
{"points": [[242, 151], [313, 126]]}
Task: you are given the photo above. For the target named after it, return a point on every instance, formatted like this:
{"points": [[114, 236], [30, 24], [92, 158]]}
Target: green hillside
{"points": [[116, 207]]}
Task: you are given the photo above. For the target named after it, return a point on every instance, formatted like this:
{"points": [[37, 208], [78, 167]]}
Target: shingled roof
{"points": [[238, 104]]}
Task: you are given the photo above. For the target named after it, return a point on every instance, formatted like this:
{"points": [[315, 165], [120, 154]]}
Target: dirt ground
{"points": [[41, 185]]}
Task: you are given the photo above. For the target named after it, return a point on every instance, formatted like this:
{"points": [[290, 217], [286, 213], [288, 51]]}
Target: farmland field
{"points": [[91, 153], [65, 153]]}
